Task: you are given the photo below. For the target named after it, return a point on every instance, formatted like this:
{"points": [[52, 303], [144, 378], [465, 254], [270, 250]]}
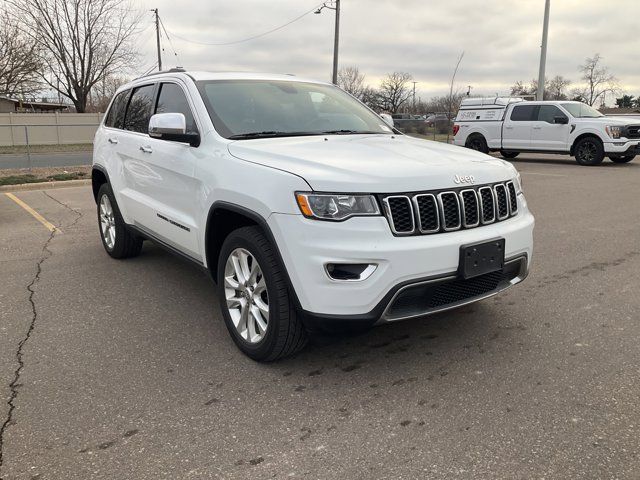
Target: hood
{"points": [[372, 163], [610, 120]]}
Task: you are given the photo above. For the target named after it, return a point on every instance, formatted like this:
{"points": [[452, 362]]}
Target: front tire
{"points": [[621, 159], [477, 142], [117, 239], [254, 297], [589, 151], [508, 155]]}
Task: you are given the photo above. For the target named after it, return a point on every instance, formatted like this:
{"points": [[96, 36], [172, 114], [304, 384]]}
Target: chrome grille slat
{"points": [[513, 198], [450, 211], [426, 213], [487, 205], [502, 201], [400, 214], [470, 208], [426, 207]]}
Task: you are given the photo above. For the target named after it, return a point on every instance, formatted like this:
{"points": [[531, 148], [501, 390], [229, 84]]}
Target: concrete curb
{"points": [[44, 185]]}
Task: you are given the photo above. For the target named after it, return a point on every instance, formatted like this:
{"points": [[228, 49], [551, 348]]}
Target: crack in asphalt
{"points": [[15, 383]]}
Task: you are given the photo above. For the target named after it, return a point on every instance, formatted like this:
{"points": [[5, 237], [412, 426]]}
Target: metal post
{"points": [[543, 51], [335, 44], [155, 10], [414, 97], [26, 136]]}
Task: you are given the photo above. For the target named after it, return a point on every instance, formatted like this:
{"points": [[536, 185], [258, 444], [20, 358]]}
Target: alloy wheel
{"points": [[246, 295], [107, 222], [587, 152]]}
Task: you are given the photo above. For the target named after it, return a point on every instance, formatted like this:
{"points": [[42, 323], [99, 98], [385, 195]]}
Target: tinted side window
{"points": [[115, 116], [140, 109], [548, 112], [524, 113], [173, 100]]}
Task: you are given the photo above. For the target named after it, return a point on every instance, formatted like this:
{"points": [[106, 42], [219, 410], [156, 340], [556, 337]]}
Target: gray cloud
{"points": [[500, 38]]}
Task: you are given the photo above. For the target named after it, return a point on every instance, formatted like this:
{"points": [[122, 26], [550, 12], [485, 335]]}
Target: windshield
{"points": [[267, 108], [581, 110]]}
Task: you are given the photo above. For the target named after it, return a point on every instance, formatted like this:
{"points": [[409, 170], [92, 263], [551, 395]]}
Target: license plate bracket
{"points": [[480, 258]]}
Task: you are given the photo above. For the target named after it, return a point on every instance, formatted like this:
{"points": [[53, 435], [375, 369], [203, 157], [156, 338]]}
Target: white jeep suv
{"points": [[309, 211]]}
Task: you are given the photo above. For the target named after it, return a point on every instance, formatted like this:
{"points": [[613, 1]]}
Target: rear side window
{"points": [[173, 100], [548, 113], [140, 109], [115, 116], [524, 113]]}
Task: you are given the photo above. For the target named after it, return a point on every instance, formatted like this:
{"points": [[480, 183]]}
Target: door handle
{"points": [[537, 128], [113, 140], [146, 149], [508, 128]]}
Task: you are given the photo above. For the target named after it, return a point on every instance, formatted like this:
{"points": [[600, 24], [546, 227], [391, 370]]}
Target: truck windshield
{"points": [[246, 109], [581, 110]]}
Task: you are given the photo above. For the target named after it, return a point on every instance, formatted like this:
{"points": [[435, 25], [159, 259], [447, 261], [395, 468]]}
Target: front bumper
{"points": [[623, 146], [306, 246]]}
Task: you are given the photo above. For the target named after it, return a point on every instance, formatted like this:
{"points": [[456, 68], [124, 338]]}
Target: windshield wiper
{"points": [[347, 132], [269, 134]]}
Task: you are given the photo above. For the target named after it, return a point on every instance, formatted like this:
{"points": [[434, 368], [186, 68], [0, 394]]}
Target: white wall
{"points": [[48, 128]]}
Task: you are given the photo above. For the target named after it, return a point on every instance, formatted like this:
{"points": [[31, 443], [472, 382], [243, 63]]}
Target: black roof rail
{"points": [[171, 70]]}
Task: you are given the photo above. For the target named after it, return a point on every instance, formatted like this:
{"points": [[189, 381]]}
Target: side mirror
{"points": [[387, 119], [562, 120], [172, 127]]}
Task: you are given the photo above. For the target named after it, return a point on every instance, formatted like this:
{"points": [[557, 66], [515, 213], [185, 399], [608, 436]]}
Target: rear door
{"points": [[548, 135], [163, 172], [516, 129]]}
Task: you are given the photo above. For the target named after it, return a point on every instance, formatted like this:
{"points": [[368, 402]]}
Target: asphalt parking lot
{"points": [[124, 369]]}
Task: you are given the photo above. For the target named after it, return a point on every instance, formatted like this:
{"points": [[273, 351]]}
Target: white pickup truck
{"points": [[512, 125]]}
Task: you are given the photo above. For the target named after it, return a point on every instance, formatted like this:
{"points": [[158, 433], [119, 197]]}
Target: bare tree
{"points": [[394, 91], [19, 60], [598, 80], [82, 41], [556, 88], [351, 80], [103, 92]]}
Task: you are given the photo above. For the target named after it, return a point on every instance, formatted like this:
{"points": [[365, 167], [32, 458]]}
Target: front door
{"points": [[548, 135]]}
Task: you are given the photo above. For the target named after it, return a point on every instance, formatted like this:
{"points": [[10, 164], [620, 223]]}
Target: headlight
{"points": [[519, 183], [614, 131], [325, 206]]}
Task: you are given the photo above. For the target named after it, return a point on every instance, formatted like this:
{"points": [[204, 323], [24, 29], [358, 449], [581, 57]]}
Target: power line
{"points": [[252, 37], [169, 39]]}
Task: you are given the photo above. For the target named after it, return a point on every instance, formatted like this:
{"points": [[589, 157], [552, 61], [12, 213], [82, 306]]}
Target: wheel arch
{"points": [[99, 176], [222, 219], [580, 137]]}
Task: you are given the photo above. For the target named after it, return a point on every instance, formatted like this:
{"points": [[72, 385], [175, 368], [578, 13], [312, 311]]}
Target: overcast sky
{"points": [[500, 38]]}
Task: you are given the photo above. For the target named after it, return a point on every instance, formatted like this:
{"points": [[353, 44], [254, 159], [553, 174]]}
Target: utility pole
{"points": [[336, 35], [414, 96], [335, 44], [155, 11], [543, 51]]}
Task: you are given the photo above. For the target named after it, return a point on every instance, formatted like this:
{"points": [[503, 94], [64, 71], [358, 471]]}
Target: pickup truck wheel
{"points": [[621, 159], [477, 142], [589, 151], [508, 154], [254, 297], [117, 239]]}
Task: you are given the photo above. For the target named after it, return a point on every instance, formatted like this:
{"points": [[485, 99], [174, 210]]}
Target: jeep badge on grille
{"points": [[464, 179]]}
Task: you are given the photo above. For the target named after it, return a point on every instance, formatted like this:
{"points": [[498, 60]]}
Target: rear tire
{"points": [[508, 155], [589, 151], [477, 142], [254, 297], [117, 239], [621, 159]]}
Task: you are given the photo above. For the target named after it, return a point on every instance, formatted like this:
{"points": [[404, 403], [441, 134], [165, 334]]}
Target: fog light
{"points": [[350, 272]]}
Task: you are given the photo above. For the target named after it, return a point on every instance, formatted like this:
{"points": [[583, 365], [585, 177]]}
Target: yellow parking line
{"points": [[48, 225]]}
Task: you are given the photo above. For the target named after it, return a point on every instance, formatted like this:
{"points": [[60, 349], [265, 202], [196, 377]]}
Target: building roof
{"points": [[620, 111], [35, 103]]}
